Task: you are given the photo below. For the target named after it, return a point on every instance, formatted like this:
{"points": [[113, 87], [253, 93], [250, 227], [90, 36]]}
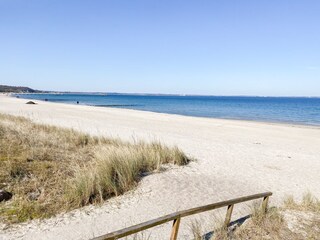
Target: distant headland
{"points": [[18, 89]]}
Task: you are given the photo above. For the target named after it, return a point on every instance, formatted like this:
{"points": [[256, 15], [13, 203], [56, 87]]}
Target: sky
{"points": [[216, 47]]}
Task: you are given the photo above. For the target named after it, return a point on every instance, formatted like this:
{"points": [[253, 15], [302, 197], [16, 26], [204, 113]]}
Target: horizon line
{"points": [[164, 94]]}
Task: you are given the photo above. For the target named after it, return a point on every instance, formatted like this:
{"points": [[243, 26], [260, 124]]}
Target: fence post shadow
{"points": [[235, 224]]}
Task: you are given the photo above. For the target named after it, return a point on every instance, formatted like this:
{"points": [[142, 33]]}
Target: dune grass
{"points": [[270, 225], [51, 170], [302, 217], [308, 203]]}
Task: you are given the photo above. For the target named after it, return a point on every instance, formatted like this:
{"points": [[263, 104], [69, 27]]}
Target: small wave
{"points": [[118, 105]]}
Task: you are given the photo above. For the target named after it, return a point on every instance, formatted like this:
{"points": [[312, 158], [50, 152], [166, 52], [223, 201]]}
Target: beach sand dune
{"points": [[233, 158]]}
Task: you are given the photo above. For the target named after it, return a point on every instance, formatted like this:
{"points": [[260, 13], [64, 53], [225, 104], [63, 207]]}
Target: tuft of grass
{"points": [[304, 223], [117, 169], [308, 203], [51, 170], [196, 230], [220, 231], [262, 225]]}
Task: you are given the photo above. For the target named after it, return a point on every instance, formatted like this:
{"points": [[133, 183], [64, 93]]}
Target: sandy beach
{"points": [[232, 159]]}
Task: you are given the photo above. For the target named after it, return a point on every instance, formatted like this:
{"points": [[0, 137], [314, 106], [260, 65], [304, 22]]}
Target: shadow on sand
{"points": [[235, 224]]}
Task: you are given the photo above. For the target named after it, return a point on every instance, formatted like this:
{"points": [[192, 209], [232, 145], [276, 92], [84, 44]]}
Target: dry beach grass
{"points": [[51, 170], [291, 220]]}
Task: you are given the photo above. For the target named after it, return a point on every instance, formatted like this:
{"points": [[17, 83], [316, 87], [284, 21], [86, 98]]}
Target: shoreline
{"points": [[293, 124]]}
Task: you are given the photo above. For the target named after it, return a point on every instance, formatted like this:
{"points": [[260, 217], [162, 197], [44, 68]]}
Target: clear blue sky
{"points": [[235, 47]]}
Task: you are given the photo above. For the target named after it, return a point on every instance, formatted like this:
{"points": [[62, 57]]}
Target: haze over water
{"points": [[269, 109]]}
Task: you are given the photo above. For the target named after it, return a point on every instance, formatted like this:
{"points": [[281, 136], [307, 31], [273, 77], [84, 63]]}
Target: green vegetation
{"points": [[4, 88], [51, 170]]}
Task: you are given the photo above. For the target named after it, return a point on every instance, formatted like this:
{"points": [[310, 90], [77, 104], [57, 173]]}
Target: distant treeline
{"points": [[4, 88]]}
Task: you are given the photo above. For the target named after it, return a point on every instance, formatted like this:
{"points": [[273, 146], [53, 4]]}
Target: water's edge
{"points": [[286, 110]]}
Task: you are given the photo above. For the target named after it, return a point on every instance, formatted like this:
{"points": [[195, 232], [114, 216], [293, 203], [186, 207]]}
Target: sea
{"points": [[295, 110]]}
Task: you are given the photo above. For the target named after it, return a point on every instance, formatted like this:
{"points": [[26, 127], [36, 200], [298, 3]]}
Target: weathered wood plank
{"points": [[175, 229], [222, 204], [265, 204], [228, 216], [137, 228]]}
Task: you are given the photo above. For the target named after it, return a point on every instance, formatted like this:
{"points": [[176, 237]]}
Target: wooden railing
{"points": [[176, 217]]}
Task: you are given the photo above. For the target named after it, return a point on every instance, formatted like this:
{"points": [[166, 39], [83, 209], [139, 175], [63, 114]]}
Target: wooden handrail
{"points": [[176, 217]]}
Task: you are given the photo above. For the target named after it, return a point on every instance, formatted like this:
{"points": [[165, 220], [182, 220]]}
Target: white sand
{"points": [[234, 158]]}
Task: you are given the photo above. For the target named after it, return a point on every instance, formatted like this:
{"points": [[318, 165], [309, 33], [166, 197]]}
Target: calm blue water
{"points": [[271, 109]]}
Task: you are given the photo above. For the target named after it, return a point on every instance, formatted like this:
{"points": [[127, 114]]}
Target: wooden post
{"points": [[228, 216], [265, 204], [175, 229]]}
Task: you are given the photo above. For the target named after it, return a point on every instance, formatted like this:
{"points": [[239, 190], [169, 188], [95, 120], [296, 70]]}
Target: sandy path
{"points": [[234, 158]]}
